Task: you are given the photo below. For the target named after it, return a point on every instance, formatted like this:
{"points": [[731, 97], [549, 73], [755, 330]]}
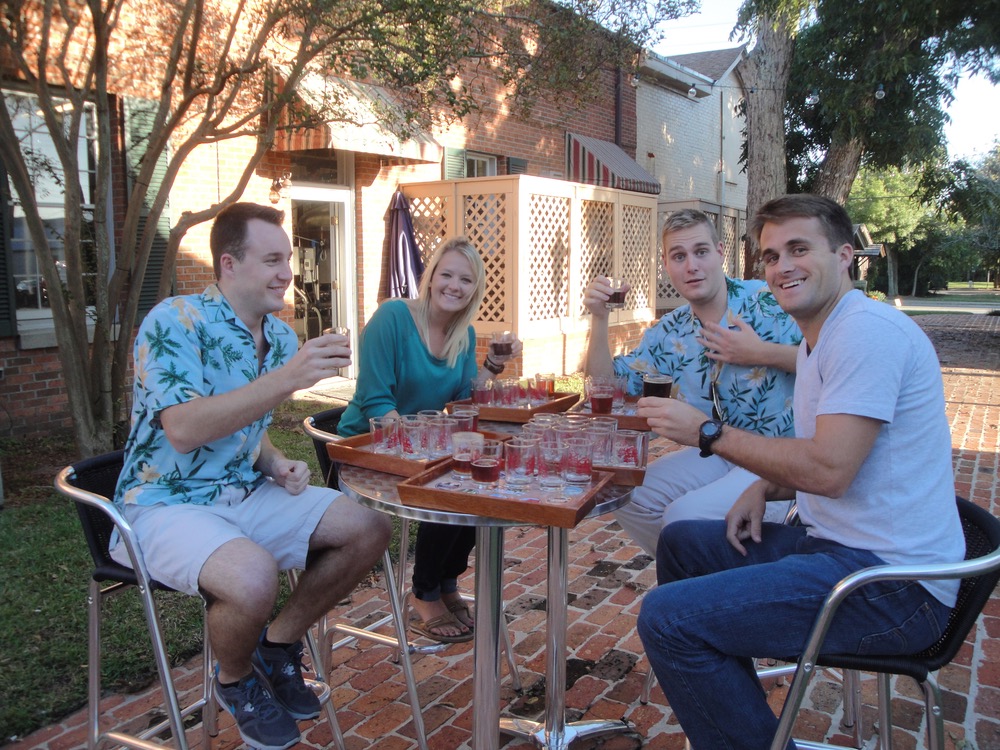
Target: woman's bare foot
{"points": [[459, 608], [429, 611]]}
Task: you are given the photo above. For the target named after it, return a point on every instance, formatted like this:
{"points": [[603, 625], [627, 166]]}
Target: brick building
{"points": [[335, 184]]}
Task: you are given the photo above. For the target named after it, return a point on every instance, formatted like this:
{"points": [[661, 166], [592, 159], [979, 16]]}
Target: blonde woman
{"points": [[421, 354]]}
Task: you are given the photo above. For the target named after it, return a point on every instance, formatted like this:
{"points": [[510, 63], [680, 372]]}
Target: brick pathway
{"points": [[606, 666]]}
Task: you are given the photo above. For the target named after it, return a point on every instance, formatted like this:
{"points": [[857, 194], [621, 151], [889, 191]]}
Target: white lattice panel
{"points": [[548, 257], [486, 227], [597, 232], [634, 264], [430, 225]]}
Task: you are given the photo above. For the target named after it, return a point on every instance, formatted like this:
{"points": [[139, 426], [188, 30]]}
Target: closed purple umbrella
{"points": [[405, 266]]}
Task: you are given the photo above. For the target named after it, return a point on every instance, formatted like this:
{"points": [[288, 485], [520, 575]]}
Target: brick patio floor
{"points": [[606, 666]]}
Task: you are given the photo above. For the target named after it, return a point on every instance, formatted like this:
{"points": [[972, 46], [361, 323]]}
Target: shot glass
{"points": [[486, 468], [385, 435], [520, 457], [413, 436], [655, 384], [439, 430], [629, 448], [577, 460], [466, 447], [547, 379], [482, 393], [600, 436], [602, 398], [502, 345], [617, 299], [339, 331], [467, 416], [549, 463]]}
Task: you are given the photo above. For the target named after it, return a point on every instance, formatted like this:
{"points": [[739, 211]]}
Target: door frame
{"points": [[346, 299]]}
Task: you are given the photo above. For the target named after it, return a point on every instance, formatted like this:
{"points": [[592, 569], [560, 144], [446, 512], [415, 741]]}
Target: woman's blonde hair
{"points": [[456, 339]]}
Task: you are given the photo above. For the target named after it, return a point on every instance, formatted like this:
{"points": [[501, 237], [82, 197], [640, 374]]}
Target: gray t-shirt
{"points": [[873, 361]]}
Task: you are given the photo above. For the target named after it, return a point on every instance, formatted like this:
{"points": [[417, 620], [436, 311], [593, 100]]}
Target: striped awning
{"points": [[602, 163], [360, 117]]}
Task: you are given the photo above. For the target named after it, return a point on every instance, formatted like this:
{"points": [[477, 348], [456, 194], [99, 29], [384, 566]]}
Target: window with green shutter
{"points": [[139, 122]]}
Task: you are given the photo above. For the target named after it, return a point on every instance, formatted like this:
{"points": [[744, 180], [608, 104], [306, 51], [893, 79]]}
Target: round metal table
{"points": [[378, 491]]}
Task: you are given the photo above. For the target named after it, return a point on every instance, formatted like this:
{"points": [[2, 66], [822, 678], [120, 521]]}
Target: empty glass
{"points": [[629, 448], [520, 457], [577, 460], [385, 435]]}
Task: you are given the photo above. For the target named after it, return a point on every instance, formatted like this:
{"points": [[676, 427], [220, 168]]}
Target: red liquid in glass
{"points": [[601, 404], [486, 470], [463, 466], [482, 396], [501, 348], [617, 298]]}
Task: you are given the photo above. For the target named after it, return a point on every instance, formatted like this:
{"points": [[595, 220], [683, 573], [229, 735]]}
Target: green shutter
{"points": [[8, 319], [453, 166], [516, 166], [139, 114]]}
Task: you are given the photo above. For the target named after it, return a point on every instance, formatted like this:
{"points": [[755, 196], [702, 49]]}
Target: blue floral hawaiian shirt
{"points": [[189, 347], [758, 399]]}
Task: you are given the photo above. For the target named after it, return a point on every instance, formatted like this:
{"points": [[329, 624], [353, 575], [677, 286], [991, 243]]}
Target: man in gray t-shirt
{"points": [[869, 466]]}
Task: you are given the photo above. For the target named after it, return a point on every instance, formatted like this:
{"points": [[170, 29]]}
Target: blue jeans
{"points": [[715, 610]]}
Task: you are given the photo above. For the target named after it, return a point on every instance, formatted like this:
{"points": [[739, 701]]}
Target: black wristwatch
{"points": [[708, 433], [495, 367]]}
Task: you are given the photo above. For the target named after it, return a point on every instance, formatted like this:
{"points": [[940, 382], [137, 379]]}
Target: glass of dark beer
{"points": [[617, 299], [654, 384]]}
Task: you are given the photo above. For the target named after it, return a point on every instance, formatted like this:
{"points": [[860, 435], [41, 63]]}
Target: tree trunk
{"points": [[891, 272], [839, 168], [916, 275], [764, 74]]}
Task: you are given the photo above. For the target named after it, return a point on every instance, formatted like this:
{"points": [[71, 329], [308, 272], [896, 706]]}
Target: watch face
{"points": [[711, 429]]}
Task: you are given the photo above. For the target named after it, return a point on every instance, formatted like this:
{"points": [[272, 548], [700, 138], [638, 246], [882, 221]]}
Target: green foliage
{"points": [[914, 51]]}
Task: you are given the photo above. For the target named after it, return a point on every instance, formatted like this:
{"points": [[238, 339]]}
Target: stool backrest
{"points": [[326, 422], [99, 476], [982, 536]]}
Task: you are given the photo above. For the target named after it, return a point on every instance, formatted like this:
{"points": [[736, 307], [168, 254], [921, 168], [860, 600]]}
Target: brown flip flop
{"points": [[426, 629], [457, 606]]}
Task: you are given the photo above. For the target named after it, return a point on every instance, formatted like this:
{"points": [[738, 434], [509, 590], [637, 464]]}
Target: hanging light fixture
{"points": [[692, 92], [280, 187], [813, 99], [880, 92]]}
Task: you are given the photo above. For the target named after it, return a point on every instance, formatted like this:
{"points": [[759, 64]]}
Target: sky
{"points": [[975, 112]]}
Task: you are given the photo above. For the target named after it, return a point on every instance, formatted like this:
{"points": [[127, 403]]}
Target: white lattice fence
{"points": [[548, 257], [542, 241]]}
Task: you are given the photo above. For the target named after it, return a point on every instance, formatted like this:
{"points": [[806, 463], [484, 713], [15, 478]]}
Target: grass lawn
{"points": [[43, 604]]}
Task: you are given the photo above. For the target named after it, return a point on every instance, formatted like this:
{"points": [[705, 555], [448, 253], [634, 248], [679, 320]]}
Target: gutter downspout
{"points": [[618, 106]]}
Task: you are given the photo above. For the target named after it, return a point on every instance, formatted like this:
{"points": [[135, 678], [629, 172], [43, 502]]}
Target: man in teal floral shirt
{"points": [[731, 340], [216, 508]]}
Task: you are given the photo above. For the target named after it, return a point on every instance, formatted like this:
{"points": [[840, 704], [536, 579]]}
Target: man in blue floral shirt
{"points": [[215, 506], [730, 340]]}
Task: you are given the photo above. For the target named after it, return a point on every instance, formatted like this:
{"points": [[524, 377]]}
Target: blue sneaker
{"points": [[262, 721], [283, 669]]}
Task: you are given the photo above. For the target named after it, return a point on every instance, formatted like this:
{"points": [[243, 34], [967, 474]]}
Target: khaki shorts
{"points": [[176, 540]]}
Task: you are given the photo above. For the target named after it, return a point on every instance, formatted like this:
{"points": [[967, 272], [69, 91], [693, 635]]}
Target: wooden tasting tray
{"points": [[625, 421], [356, 451], [626, 476], [558, 403], [527, 507]]}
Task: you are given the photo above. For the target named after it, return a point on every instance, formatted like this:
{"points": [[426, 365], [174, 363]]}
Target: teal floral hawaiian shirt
{"points": [[189, 347], [758, 399]]}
